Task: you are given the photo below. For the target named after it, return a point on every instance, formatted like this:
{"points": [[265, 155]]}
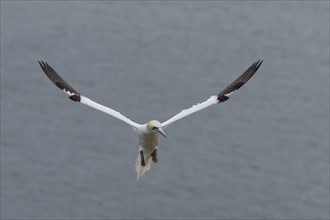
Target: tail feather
{"points": [[140, 170]]}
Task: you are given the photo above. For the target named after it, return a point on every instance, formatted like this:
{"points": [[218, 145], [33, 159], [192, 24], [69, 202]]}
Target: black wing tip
{"points": [[42, 63], [58, 81], [238, 83], [258, 64], [247, 75]]}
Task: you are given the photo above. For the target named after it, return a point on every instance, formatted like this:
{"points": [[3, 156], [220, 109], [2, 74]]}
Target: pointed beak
{"points": [[160, 131]]}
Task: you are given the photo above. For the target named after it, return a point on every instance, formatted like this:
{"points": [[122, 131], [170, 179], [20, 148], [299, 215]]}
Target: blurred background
{"points": [[263, 154]]}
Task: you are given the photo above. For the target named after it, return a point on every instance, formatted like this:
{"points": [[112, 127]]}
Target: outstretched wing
{"points": [[75, 96], [221, 97]]}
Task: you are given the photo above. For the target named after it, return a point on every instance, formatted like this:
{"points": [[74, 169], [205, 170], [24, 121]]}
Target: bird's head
{"points": [[155, 126]]}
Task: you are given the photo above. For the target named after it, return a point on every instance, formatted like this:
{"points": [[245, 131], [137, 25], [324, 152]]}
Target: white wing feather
{"points": [[107, 110], [195, 108]]}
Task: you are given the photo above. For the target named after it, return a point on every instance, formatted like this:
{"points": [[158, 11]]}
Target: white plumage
{"points": [[149, 132]]}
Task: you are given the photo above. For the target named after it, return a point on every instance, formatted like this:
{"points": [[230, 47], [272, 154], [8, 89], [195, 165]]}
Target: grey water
{"points": [[262, 154]]}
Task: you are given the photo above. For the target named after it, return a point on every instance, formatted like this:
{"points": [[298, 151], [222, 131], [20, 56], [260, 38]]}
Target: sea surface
{"points": [[262, 154]]}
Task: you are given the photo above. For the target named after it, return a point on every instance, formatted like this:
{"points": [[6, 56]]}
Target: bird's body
{"points": [[147, 144], [148, 141], [149, 133]]}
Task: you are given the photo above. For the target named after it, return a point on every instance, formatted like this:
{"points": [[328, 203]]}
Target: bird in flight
{"points": [[149, 133]]}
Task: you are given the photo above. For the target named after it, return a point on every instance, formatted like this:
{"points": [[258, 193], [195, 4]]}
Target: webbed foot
{"points": [[142, 159], [154, 156]]}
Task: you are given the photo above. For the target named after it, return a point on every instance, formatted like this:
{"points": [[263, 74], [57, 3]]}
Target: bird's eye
{"points": [[154, 128]]}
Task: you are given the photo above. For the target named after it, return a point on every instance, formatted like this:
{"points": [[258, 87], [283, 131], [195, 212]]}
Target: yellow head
{"points": [[155, 126]]}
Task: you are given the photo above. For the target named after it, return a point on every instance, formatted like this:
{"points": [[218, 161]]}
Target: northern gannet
{"points": [[149, 132]]}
